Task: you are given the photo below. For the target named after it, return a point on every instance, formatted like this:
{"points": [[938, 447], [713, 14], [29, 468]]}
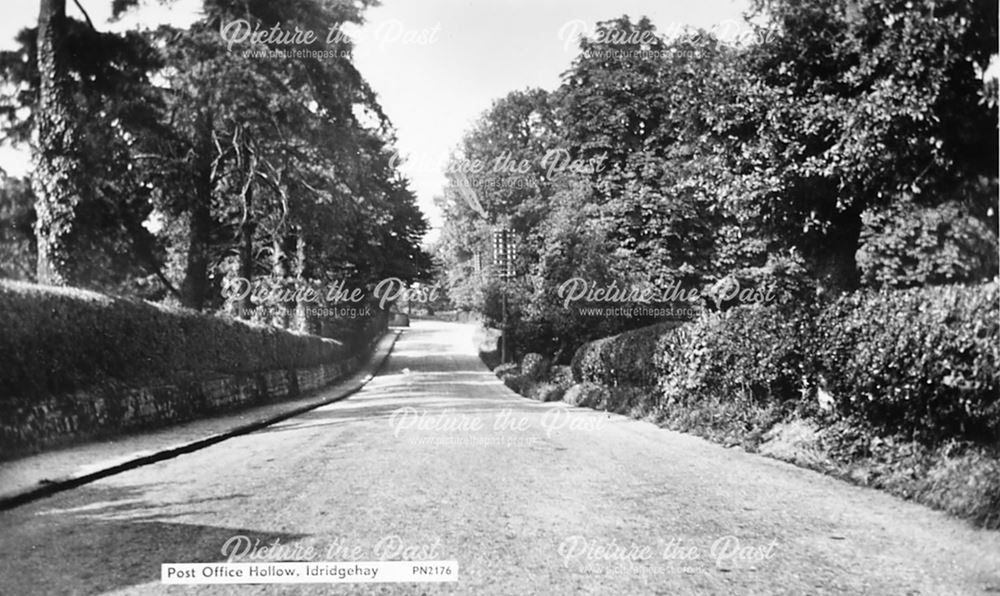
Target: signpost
{"points": [[504, 250]]}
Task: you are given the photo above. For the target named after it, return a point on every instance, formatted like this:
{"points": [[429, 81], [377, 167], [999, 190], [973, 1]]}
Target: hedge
{"points": [[898, 390], [623, 359], [57, 340], [744, 354], [921, 364]]}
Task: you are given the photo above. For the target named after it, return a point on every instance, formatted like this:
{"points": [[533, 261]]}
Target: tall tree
{"points": [[115, 111], [864, 103], [640, 108], [56, 178], [280, 165]]}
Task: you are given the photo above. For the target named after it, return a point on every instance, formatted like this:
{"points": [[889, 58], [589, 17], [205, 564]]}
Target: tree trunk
{"points": [[281, 246], [834, 260], [56, 179], [246, 249], [194, 289], [301, 319]]}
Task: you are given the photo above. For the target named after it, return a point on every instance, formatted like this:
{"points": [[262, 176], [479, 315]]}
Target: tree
{"points": [[578, 244], [907, 245], [114, 109], [275, 168], [56, 154], [641, 109], [502, 173], [862, 104], [279, 178]]}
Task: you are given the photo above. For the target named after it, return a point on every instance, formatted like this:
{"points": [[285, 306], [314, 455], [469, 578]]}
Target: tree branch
{"points": [[85, 15]]}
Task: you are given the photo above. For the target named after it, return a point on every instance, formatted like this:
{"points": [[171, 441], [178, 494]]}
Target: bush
{"points": [[58, 340], [623, 359], [534, 366], [747, 354], [919, 362], [586, 395], [561, 375], [913, 374], [906, 245], [782, 280]]}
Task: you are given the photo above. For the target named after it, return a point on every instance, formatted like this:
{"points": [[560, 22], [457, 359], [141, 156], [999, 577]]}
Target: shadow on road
{"points": [[113, 539]]}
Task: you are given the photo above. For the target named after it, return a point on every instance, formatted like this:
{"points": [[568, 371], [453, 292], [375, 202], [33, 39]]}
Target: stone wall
{"points": [[30, 425]]}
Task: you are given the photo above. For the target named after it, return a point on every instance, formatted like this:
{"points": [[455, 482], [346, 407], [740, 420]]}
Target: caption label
{"points": [[309, 572]]}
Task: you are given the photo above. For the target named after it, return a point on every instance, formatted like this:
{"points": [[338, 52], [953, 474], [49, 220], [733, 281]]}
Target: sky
{"points": [[18, 14], [437, 65]]}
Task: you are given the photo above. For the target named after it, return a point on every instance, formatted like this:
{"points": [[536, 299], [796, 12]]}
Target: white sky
{"points": [[438, 64]]}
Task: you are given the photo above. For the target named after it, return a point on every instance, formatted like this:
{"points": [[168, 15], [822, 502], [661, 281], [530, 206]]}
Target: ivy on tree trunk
{"points": [[55, 155]]}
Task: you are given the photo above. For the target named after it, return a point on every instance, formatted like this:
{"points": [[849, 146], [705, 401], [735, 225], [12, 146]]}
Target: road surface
{"points": [[436, 460]]}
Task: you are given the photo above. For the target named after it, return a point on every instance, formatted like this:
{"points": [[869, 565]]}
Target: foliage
{"points": [[17, 218], [894, 389], [782, 280], [624, 359], [862, 104], [638, 112], [746, 359], [229, 165], [115, 108], [846, 136], [575, 242], [906, 246], [59, 340], [851, 142], [922, 362], [618, 197], [498, 175]]}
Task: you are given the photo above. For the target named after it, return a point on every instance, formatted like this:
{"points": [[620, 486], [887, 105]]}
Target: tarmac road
{"points": [[436, 460]]}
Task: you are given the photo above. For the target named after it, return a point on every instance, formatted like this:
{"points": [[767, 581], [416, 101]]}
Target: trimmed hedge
{"points": [[898, 390], [57, 340], [623, 359], [745, 354], [922, 364]]}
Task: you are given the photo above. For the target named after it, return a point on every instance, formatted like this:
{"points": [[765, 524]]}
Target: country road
{"points": [[436, 460]]}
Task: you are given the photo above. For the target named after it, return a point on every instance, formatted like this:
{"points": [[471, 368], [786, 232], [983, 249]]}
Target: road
{"points": [[437, 460]]}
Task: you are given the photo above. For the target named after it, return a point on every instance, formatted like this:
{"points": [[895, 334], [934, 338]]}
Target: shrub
{"points": [[730, 376], [908, 245], [534, 366], [747, 354], [623, 359], [782, 280], [913, 374], [919, 362], [586, 395], [561, 375]]}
